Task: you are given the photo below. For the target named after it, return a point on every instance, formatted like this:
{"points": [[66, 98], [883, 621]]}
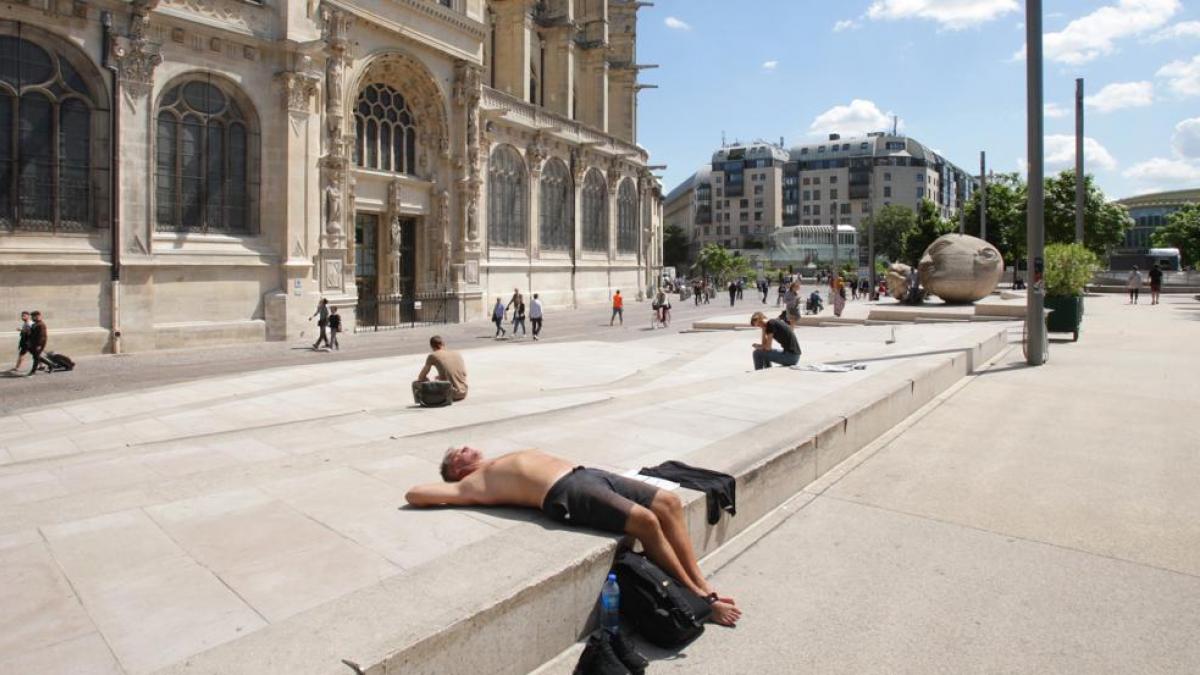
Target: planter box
{"points": [[1066, 314]]}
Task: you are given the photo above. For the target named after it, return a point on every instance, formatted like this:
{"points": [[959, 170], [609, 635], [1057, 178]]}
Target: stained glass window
{"points": [[205, 161], [385, 131], [557, 214], [594, 204], [506, 198], [627, 218]]}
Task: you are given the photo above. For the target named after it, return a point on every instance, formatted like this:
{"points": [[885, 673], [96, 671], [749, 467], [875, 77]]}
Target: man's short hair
{"points": [[446, 467], [756, 317], [435, 342], [35, 313]]}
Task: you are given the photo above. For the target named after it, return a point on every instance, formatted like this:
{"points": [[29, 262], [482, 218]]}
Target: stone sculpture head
{"points": [[961, 268], [897, 280]]}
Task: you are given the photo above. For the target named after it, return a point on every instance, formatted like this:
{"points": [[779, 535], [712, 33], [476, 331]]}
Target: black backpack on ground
{"points": [[657, 606], [433, 394], [60, 361]]}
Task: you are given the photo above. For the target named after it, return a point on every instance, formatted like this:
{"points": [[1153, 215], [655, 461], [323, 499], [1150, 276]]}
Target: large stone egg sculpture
{"points": [[960, 268]]}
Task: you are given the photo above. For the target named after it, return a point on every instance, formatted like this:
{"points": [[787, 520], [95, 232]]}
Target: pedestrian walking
{"points": [[22, 340], [1155, 283], [535, 315], [783, 287], [839, 295], [791, 307], [39, 334], [709, 292], [618, 308], [697, 289], [853, 290], [1134, 285], [519, 319], [335, 327], [498, 312], [741, 285], [322, 315], [764, 287], [517, 299]]}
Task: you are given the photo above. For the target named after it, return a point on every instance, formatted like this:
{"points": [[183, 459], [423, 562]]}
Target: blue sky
{"points": [[953, 70]]}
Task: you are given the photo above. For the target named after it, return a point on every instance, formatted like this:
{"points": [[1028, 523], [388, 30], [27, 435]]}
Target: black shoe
{"points": [[598, 657], [623, 648]]}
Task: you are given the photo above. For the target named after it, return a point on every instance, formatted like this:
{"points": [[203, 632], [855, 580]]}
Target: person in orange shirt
{"points": [[618, 309]]}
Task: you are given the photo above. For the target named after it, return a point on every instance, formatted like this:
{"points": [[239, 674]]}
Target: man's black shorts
{"points": [[595, 498]]}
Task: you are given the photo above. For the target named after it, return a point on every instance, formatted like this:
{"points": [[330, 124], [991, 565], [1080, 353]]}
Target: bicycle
{"points": [[660, 317]]}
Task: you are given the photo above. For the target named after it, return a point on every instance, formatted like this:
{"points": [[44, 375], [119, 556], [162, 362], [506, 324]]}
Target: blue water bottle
{"points": [[610, 604]]}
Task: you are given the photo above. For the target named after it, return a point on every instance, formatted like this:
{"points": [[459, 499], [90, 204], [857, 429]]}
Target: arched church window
{"points": [[206, 159], [594, 203], [627, 218], [48, 182], [557, 215], [385, 131], [506, 198]]}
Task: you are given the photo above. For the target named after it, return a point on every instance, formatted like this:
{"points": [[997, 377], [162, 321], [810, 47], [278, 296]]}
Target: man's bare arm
{"points": [[441, 494], [425, 371]]}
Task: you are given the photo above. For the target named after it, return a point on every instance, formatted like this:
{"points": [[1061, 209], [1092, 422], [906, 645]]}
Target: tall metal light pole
{"points": [[983, 195], [871, 257], [1079, 191], [1035, 322]]}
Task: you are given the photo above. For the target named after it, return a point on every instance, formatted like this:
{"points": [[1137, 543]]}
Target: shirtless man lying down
{"points": [[576, 495]]}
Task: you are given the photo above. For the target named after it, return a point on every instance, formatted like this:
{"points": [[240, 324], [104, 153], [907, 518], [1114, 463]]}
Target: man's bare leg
{"points": [[645, 526], [669, 509]]}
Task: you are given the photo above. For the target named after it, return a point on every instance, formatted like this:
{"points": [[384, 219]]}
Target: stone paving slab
{"points": [[196, 515]]}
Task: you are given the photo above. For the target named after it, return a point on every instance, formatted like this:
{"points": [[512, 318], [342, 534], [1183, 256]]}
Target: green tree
{"points": [[929, 227], [1007, 198], [1104, 222], [1182, 231], [675, 246], [716, 260], [892, 223]]}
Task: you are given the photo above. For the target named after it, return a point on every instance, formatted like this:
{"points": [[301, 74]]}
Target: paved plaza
{"points": [[1027, 521], [140, 529]]}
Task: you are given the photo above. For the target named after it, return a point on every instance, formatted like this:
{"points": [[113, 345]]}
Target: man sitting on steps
{"points": [[576, 495]]}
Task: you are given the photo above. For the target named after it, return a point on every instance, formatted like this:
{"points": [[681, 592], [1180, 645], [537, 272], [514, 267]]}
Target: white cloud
{"points": [[1121, 95], [1183, 29], [1183, 77], [771, 65], [676, 24], [1186, 140], [1160, 171], [845, 24], [949, 14], [1055, 111], [1059, 151], [1094, 35], [859, 117]]}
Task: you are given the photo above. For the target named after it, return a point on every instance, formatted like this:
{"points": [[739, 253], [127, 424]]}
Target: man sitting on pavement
{"points": [[774, 330], [580, 496], [450, 368]]}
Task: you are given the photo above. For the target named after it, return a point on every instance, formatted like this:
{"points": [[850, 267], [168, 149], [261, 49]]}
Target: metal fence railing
{"points": [[391, 312]]}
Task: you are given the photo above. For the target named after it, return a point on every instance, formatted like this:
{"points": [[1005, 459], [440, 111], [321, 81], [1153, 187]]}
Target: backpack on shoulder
{"points": [[434, 394], [658, 607]]}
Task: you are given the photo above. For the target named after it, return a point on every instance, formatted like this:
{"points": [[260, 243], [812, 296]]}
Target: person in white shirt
{"points": [[535, 315], [1134, 285]]}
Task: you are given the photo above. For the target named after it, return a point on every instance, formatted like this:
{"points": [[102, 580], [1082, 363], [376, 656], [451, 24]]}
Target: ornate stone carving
{"points": [[535, 154], [136, 57], [227, 12], [468, 190], [334, 202], [299, 88]]}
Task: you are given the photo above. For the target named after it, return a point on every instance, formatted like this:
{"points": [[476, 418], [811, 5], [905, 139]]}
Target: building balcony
{"points": [[514, 110]]}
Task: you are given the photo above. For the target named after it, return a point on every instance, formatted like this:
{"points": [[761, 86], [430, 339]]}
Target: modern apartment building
{"points": [[184, 172], [750, 190]]}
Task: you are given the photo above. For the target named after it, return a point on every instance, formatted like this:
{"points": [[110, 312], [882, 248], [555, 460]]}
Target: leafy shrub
{"points": [[1069, 267]]}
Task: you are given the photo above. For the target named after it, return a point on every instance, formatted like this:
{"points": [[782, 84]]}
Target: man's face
{"points": [[463, 459], [25, 317]]}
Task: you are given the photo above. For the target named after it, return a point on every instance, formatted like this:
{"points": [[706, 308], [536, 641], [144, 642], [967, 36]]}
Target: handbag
{"points": [[658, 607]]}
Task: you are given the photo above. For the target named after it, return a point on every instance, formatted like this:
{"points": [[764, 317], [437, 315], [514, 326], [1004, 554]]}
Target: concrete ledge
{"points": [[470, 614], [70, 341]]}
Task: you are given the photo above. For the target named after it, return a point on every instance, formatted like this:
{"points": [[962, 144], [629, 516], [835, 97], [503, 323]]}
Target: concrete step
{"points": [[509, 603]]}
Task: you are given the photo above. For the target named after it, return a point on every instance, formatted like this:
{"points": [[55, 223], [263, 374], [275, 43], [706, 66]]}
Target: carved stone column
{"points": [[535, 157], [336, 181], [614, 183]]}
